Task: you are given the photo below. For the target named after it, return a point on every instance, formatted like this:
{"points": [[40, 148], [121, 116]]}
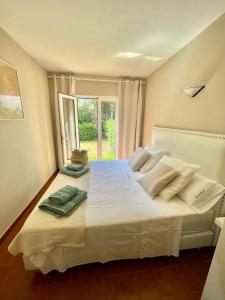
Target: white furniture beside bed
{"points": [[120, 220], [220, 221], [215, 283]]}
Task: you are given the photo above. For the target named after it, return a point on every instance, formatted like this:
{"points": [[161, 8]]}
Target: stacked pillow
{"points": [[156, 179], [171, 176], [168, 177], [186, 172], [138, 158], [202, 193], [155, 155], [145, 159]]}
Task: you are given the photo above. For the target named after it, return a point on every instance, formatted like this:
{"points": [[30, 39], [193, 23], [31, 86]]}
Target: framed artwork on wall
{"points": [[10, 99]]}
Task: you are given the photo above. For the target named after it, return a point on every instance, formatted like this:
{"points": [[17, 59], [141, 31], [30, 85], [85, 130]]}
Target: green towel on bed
{"points": [[74, 167], [63, 210], [63, 195], [65, 171]]}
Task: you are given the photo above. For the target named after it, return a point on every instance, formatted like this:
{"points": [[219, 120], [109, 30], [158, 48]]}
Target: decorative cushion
{"points": [[201, 193], [186, 172], [156, 155], [138, 158], [156, 179]]}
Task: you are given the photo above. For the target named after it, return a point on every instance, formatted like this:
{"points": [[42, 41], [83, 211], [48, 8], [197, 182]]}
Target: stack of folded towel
{"points": [[74, 170], [64, 201]]}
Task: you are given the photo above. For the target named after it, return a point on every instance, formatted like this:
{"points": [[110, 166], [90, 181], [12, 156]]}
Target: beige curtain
{"points": [[130, 117], [65, 84]]}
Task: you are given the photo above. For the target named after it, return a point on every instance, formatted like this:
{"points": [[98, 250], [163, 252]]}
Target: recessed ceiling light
{"points": [[128, 54], [153, 58]]}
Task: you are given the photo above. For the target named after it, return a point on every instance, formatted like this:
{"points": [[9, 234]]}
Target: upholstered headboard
{"points": [[204, 149]]}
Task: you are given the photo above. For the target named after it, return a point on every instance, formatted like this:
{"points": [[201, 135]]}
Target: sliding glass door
{"points": [[89, 123]]}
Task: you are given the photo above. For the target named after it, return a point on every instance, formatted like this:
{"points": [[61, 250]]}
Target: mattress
{"points": [[193, 224], [192, 221]]}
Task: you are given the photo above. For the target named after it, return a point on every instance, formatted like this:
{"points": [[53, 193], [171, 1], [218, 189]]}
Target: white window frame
{"points": [[101, 99], [62, 96]]}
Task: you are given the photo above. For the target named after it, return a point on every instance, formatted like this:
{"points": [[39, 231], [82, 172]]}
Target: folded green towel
{"points": [[66, 209], [63, 195], [64, 171], [74, 167]]}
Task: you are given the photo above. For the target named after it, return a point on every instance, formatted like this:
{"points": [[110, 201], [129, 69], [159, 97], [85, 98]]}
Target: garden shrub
{"points": [[110, 131], [88, 131]]}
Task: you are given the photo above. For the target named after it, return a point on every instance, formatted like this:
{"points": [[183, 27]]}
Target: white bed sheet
{"points": [[192, 221], [122, 221]]}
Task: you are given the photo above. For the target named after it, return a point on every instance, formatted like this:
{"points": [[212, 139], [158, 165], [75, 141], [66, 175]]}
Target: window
{"points": [[89, 123]]}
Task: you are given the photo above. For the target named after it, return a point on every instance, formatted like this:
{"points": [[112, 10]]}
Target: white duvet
{"points": [[119, 220]]}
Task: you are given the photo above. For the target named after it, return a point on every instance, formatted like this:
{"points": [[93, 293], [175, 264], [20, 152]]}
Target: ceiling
{"points": [[83, 36]]}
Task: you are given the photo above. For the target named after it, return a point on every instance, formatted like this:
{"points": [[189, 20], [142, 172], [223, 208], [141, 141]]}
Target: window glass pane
{"points": [[87, 115], [108, 130], [69, 125]]}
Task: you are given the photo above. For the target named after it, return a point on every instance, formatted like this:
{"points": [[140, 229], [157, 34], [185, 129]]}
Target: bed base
{"points": [[197, 240], [189, 241]]}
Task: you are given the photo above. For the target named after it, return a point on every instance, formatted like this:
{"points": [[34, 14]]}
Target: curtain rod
{"points": [[92, 79]]}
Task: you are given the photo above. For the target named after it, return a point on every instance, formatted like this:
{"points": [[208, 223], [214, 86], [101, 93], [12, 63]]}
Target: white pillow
{"points": [[138, 158], [156, 155], [156, 179], [186, 172], [202, 193]]}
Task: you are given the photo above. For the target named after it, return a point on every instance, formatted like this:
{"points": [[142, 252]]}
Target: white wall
{"points": [[27, 157], [90, 87], [97, 88], [202, 61]]}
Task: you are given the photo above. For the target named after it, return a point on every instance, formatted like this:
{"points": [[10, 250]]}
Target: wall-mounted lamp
{"points": [[193, 91]]}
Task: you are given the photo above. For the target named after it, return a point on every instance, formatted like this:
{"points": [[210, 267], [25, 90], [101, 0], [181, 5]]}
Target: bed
{"points": [[119, 220]]}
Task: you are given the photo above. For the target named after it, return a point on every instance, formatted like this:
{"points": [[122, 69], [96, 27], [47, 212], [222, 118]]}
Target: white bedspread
{"points": [[118, 204], [121, 221]]}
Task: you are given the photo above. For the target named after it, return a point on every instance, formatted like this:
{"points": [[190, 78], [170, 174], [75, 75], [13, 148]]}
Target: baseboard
{"points": [[30, 206]]}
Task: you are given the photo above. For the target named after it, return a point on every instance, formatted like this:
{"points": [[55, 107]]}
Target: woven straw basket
{"points": [[79, 157]]}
